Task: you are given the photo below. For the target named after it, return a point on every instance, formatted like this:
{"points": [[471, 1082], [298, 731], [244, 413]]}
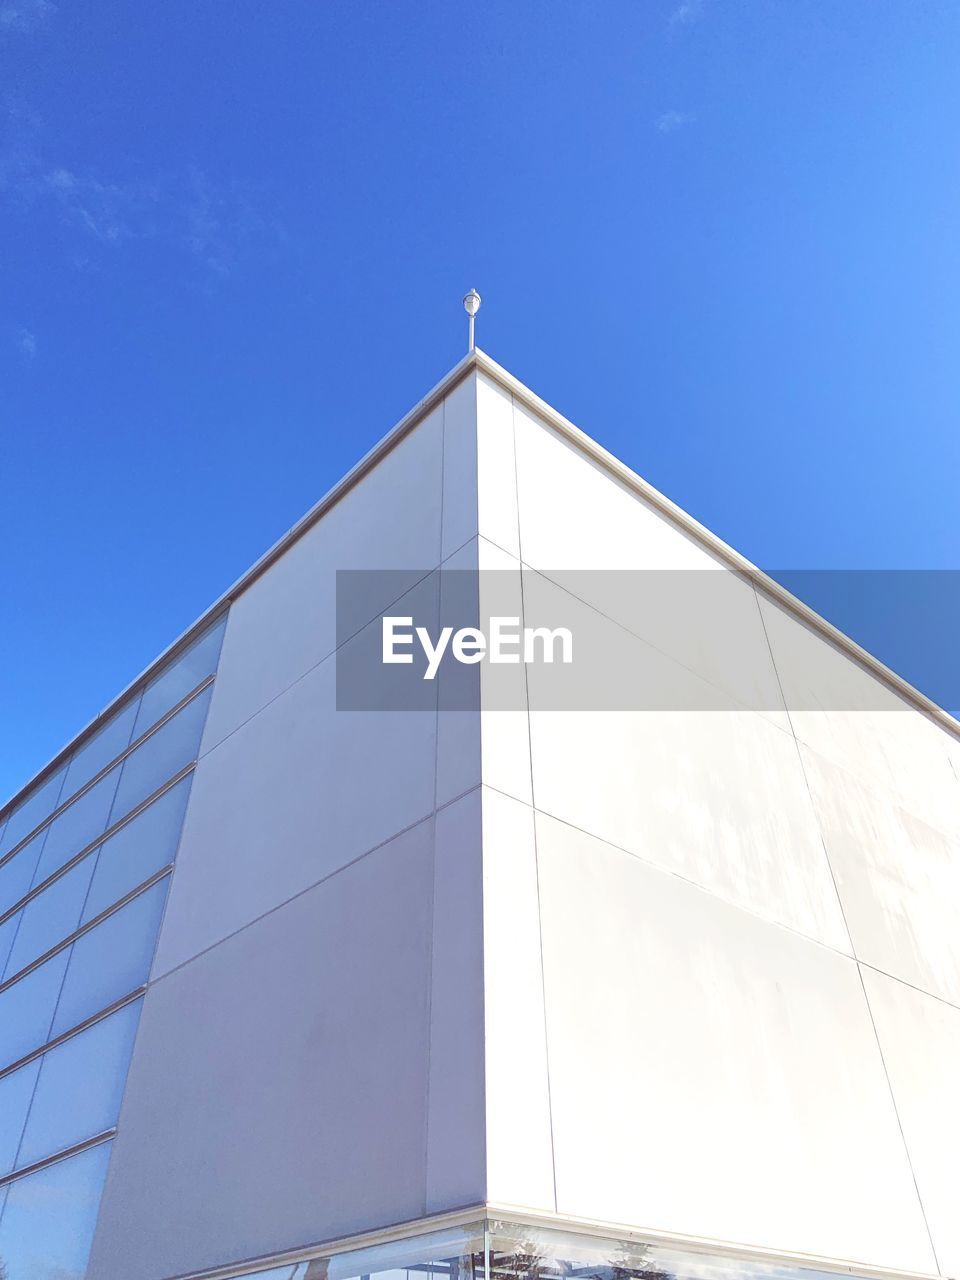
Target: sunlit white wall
{"points": [[722, 947]]}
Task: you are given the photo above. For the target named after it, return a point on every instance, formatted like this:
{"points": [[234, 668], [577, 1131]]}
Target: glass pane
{"points": [[26, 1009], [105, 745], [80, 1086], [138, 850], [50, 917], [47, 1225], [16, 1090], [8, 931], [161, 755], [112, 959], [519, 1252], [16, 876], [443, 1254], [80, 823], [30, 812], [176, 681]]}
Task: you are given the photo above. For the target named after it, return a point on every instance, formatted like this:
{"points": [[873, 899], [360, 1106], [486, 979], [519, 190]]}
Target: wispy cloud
{"points": [[671, 121], [24, 15], [101, 209], [26, 343], [220, 223], [686, 13], [213, 224]]}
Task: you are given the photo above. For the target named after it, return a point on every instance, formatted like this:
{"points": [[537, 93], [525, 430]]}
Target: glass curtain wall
{"points": [[444, 1255], [510, 1250], [85, 862]]}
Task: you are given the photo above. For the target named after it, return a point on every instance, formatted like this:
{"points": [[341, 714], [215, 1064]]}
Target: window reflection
{"points": [[77, 826], [31, 811], [520, 1252], [16, 1092], [453, 1255], [47, 1223], [138, 850], [26, 1009], [8, 931], [100, 967], [105, 745], [50, 917], [500, 1250], [111, 960], [183, 675], [163, 754], [16, 874], [79, 1087], [127, 724], [456, 1254], [124, 861], [72, 1092]]}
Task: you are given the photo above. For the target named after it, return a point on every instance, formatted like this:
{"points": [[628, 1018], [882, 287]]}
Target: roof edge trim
{"points": [[488, 1212], [478, 359], [333, 495], [683, 520]]}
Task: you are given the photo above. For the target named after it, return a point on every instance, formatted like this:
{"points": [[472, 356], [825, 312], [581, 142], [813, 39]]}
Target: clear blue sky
{"points": [[723, 237]]}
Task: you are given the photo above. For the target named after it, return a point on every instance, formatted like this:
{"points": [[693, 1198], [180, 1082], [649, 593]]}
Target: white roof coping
{"points": [[477, 359]]}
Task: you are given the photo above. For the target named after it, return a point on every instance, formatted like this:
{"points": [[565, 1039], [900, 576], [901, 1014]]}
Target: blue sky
{"points": [[721, 237]]}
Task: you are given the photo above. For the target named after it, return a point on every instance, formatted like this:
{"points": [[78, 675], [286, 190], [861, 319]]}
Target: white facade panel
{"points": [[505, 727], [577, 521], [496, 744], [460, 493], [458, 728], [278, 1091], [285, 622], [575, 515], [920, 1038], [712, 1074], [898, 878], [847, 714], [456, 1146], [497, 513], [519, 1141], [479, 476], [717, 797], [297, 792]]}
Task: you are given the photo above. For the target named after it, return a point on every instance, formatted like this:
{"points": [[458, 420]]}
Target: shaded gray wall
{"points": [[310, 1060]]}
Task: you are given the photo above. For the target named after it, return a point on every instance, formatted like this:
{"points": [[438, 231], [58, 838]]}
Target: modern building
{"points": [[521, 984]]}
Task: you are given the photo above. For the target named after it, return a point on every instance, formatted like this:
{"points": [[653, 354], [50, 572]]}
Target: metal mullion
{"points": [[76, 1149], [117, 760], [86, 928], [55, 1043], [101, 839]]}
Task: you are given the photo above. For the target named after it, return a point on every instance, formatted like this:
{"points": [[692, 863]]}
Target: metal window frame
{"points": [[98, 777], [487, 1214], [70, 1032], [93, 845], [106, 1135], [86, 928], [478, 360]]}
